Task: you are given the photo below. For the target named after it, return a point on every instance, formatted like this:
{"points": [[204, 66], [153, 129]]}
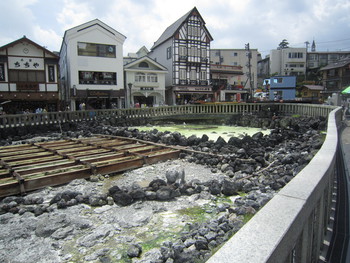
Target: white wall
{"points": [[84, 63]]}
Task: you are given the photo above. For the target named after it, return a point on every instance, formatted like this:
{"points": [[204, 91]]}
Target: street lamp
{"points": [[130, 102]]}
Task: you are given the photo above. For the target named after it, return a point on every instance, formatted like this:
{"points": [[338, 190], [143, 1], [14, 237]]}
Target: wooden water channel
{"points": [[28, 167]]}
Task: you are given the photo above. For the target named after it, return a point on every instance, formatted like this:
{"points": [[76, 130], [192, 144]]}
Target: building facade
{"points": [[246, 59], [145, 79], [223, 79], [282, 88], [28, 78], [335, 77], [318, 59], [288, 61], [91, 65], [183, 49]]}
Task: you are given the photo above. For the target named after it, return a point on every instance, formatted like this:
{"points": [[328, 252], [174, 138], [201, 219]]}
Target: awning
{"points": [[346, 90]]}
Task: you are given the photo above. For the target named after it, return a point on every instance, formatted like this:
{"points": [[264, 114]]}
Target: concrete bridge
{"points": [[296, 225]]}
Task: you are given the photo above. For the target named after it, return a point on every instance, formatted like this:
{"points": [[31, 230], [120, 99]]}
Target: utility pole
{"points": [[249, 65]]}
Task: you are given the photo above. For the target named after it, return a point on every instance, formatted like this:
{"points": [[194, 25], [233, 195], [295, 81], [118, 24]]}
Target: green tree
{"points": [[283, 44]]}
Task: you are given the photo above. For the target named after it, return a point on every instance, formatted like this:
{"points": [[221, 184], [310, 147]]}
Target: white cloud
{"points": [[48, 38], [74, 13], [232, 23]]}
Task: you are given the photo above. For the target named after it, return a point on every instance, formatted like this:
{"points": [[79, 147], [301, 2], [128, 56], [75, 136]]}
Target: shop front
{"points": [[185, 95], [147, 97], [98, 99]]}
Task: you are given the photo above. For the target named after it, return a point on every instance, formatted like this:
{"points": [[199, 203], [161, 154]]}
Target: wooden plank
{"points": [[26, 156], [24, 170], [116, 167], [27, 151], [34, 160]]}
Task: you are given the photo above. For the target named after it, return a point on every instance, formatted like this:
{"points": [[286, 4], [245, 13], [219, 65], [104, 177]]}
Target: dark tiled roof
{"points": [[314, 87], [171, 30], [339, 64]]}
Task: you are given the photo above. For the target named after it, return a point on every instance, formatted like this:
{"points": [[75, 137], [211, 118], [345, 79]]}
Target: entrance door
{"points": [[142, 100]]}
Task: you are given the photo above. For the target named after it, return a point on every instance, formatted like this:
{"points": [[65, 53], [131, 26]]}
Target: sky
{"points": [[232, 23]]}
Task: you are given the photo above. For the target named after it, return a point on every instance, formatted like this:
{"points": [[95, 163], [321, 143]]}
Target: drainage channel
{"points": [[28, 167]]}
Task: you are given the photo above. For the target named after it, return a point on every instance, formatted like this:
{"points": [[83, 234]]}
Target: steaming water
{"points": [[212, 131]]}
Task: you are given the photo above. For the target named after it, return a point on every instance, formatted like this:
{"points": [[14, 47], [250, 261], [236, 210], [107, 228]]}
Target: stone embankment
{"points": [[141, 216]]}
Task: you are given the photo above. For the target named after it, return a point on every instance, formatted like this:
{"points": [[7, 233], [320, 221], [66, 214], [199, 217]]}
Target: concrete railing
{"points": [[20, 120], [291, 227]]}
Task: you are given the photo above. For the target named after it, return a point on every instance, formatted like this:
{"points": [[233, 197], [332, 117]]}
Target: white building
{"points": [[145, 79], [288, 61], [91, 65], [28, 77]]}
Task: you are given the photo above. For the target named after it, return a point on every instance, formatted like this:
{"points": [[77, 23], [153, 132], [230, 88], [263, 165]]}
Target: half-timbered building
{"points": [[184, 48]]}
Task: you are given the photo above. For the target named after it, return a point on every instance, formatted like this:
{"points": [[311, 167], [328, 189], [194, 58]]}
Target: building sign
{"points": [[26, 63], [27, 87], [146, 88], [98, 93], [51, 73], [2, 72], [193, 89]]}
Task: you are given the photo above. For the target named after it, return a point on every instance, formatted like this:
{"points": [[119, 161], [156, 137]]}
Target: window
{"points": [[194, 51], [203, 75], [2, 72], [193, 74], [312, 56], [194, 31], [277, 80], [27, 76], [140, 77], [182, 74], [204, 53], [143, 65], [217, 53], [152, 77], [235, 54], [168, 53], [96, 50], [182, 51], [295, 55], [95, 77]]}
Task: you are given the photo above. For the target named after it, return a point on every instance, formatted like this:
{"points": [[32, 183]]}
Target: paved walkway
{"points": [[340, 250]]}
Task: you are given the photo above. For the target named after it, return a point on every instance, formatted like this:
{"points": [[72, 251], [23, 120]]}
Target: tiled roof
{"points": [[314, 87], [171, 30], [339, 64]]}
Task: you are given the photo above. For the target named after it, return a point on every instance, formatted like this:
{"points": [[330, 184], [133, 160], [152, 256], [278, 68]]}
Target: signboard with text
{"points": [[26, 63]]}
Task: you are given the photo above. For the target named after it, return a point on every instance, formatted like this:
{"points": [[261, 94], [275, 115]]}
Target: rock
{"points": [[201, 243], [134, 251], [214, 187], [165, 193], [113, 190], [62, 233], [175, 174], [156, 184], [122, 198], [137, 194], [98, 200], [47, 225]]}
